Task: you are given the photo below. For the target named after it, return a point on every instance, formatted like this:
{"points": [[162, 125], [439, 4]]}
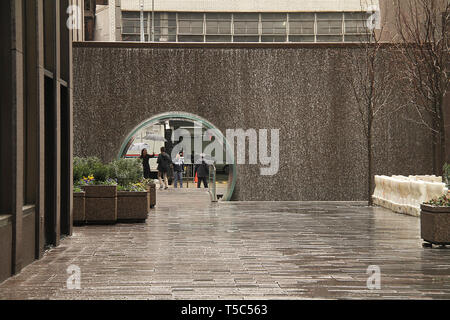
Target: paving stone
{"points": [[190, 248]]}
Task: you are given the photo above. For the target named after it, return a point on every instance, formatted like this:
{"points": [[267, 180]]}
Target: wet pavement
{"points": [[190, 248]]}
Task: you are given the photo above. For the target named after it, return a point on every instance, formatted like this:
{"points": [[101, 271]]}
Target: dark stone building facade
{"points": [[297, 88], [35, 130]]}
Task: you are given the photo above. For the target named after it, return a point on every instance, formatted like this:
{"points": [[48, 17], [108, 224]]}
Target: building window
{"points": [[165, 26], [190, 27], [301, 27], [329, 27], [131, 26], [218, 27], [246, 27], [273, 27], [355, 26]]}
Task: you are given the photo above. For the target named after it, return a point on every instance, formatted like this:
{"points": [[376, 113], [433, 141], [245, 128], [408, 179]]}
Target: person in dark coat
{"points": [[164, 162], [202, 171], [145, 163]]}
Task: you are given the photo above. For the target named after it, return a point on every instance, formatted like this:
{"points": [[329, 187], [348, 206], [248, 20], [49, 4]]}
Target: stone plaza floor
{"points": [[190, 248]]}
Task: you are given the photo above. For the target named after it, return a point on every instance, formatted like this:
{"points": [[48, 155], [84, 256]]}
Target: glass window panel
{"points": [[245, 27], [301, 38], [190, 16], [301, 27], [190, 23], [165, 26], [330, 38], [329, 23], [329, 16], [130, 14], [246, 38], [246, 17], [190, 27], [301, 16], [357, 38], [218, 27], [273, 27], [221, 38], [329, 27], [274, 23], [133, 37], [246, 23], [274, 16], [218, 16], [190, 38], [355, 22], [131, 22], [273, 39]]}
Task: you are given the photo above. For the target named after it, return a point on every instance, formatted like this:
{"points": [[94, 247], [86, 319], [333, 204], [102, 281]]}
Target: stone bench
{"points": [[405, 194]]}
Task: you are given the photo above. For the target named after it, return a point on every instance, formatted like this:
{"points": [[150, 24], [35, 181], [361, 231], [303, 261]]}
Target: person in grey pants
{"points": [[178, 169]]}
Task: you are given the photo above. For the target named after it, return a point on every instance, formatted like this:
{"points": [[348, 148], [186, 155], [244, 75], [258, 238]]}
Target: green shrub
{"points": [[442, 201], [126, 171], [83, 167], [80, 168], [132, 187], [123, 171]]}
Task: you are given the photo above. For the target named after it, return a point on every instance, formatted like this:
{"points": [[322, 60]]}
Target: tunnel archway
{"points": [[194, 118]]}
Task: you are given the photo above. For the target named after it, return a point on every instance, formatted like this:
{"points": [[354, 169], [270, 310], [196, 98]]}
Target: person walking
{"points": [[163, 168], [145, 157], [202, 171], [178, 169]]}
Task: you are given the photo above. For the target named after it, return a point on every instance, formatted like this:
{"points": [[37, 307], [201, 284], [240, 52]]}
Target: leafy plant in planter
{"points": [[108, 182], [85, 181], [80, 168], [91, 166], [442, 201], [126, 171], [133, 187]]}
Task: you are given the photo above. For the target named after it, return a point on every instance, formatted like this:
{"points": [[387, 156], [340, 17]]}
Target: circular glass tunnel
{"points": [[190, 138]]}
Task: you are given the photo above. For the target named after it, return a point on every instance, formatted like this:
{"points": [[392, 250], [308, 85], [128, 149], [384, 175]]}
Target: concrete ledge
{"points": [[5, 219], [221, 45]]}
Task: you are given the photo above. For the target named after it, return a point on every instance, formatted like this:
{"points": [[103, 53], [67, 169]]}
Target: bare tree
{"points": [[422, 27], [372, 85]]}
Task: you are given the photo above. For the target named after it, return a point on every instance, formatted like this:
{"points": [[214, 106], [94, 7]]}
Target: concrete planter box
{"points": [[435, 224], [101, 204], [132, 206], [152, 195], [79, 208]]}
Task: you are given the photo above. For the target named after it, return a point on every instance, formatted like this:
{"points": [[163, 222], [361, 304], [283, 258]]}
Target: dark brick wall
{"points": [[298, 89]]}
